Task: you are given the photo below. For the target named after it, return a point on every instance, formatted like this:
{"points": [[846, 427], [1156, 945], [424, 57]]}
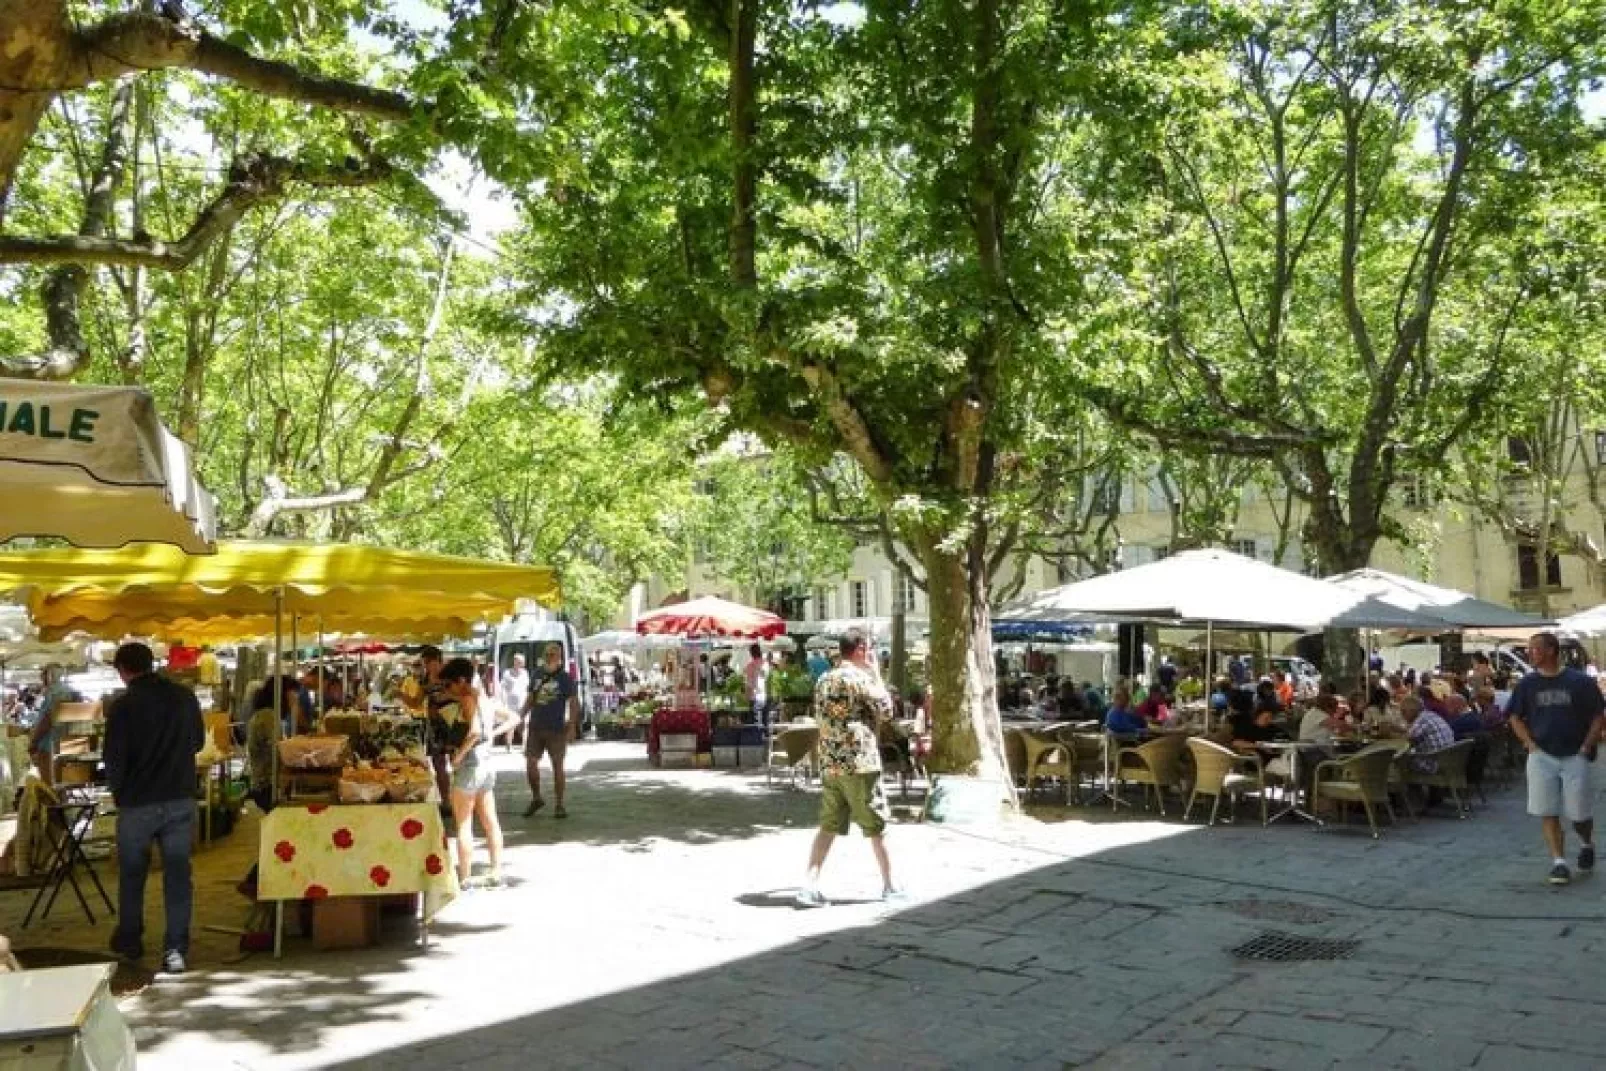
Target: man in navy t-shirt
{"points": [[553, 708], [1558, 715]]}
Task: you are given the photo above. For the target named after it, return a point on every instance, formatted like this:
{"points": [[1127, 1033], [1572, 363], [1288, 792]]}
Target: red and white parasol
{"points": [[709, 616]]}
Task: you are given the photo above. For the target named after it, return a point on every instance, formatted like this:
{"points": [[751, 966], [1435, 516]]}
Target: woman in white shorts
{"points": [[473, 780]]}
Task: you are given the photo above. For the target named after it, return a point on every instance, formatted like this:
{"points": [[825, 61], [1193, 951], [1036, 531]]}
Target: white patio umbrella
{"points": [[625, 640], [1216, 588], [95, 467], [1456, 608], [1585, 624], [1222, 590]]}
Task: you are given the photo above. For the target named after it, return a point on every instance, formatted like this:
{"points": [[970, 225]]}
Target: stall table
{"points": [[317, 851], [675, 720]]}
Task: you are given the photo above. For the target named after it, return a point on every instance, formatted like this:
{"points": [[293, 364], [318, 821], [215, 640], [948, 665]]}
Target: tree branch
{"points": [[252, 182], [65, 287], [46, 55], [858, 435], [138, 41]]}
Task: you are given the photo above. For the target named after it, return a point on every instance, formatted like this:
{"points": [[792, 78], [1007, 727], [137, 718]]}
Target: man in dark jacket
{"points": [[153, 731]]}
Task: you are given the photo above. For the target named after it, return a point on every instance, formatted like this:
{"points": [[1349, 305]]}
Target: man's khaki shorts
{"points": [[538, 742], [856, 797]]}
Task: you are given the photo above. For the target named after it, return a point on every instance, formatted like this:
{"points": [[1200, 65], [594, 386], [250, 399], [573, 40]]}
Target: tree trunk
{"points": [[1339, 549], [966, 738]]}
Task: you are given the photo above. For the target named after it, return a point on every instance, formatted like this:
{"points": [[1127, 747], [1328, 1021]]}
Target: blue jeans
{"points": [[172, 826]]}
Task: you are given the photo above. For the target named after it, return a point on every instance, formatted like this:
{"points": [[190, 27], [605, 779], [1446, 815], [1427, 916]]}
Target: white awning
{"points": [[94, 466]]}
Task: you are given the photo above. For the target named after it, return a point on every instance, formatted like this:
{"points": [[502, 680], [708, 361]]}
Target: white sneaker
{"points": [[810, 898], [173, 962]]}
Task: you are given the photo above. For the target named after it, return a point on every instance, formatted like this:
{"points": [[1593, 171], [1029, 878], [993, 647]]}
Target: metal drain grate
{"points": [[1276, 947]]}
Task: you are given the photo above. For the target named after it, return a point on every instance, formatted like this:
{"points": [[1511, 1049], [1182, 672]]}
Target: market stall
{"points": [[95, 467], [234, 593], [684, 728]]}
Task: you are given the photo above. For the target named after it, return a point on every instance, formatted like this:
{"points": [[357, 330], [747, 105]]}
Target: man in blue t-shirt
{"points": [[1558, 714], [553, 712]]}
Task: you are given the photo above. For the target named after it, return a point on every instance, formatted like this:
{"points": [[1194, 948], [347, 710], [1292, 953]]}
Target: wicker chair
{"points": [[1361, 778], [1400, 746], [1015, 754], [1220, 771], [1156, 764], [1084, 751], [1449, 772], [1046, 756], [790, 748]]}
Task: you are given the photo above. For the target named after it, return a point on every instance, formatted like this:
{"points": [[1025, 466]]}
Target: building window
{"points": [[792, 605], [859, 595], [1528, 572], [1518, 450], [1106, 497], [1160, 553], [1246, 547], [1417, 493], [1158, 503], [903, 592], [822, 603], [1600, 448]]}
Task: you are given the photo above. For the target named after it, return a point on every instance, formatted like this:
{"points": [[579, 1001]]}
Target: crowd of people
{"points": [[1556, 713]]}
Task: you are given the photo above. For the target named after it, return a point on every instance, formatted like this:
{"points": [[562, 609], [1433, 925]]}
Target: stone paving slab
{"points": [[654, 929]]}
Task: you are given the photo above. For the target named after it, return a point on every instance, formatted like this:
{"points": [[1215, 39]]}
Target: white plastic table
{"points": [[63, 1019]]}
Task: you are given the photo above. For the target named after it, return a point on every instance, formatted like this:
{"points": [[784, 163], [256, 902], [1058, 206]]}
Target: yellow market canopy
{"points": [[246, 628], [95, 466], [142, 590]]}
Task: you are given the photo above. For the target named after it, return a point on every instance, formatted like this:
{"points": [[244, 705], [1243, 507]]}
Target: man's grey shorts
{"points": [[1561, 788]]}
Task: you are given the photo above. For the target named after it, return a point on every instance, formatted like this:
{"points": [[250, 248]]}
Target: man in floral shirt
{"points": [[849, 702]]}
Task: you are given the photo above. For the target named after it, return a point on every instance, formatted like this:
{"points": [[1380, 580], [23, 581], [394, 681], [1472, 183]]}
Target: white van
{"points": [[1425, 657], [528, 635]]}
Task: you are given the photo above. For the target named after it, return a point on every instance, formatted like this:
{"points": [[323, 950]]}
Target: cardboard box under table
{"points": [[326, 852]]}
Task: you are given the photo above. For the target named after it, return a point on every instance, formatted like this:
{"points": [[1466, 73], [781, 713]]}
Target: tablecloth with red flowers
{"points": [[316, 850], [680, 720]]}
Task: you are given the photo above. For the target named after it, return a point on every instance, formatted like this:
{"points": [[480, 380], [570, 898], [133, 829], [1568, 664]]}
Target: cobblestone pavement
{"points": [[654, 929]]}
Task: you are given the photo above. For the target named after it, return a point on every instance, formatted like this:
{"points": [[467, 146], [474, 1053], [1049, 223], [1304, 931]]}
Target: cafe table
{"points": [[1292, 749]]}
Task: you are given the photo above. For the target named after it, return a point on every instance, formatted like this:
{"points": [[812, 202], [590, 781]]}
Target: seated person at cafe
{"points": [[1321, 721], [1072, 701], [1426, 731], [1490, 712], [1266, 698], [1153, 708], [1094, 699], [1464, 722], [1432, 700], [1381, 713], [1219, 692], [1121, 719], [1283, 687], [1252, 723]]}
